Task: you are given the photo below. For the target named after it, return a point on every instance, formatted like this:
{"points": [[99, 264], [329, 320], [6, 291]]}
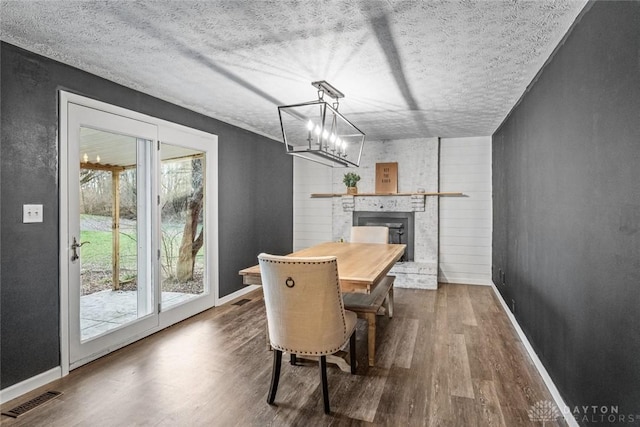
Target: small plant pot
{"points": [[352, 190]]}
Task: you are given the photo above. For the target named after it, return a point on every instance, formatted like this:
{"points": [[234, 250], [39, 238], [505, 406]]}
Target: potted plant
{"points": [[351, 180]]}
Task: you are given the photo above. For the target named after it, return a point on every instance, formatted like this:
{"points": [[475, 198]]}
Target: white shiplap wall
{"points": [[311, 217], [465, 222]]}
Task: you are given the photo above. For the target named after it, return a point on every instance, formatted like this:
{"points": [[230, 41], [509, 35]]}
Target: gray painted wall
{"points": [[566, 185], [255, 199]]}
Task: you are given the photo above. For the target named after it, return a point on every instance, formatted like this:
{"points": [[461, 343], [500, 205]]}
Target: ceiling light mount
{"points": [[316, 131], [325, 87]]}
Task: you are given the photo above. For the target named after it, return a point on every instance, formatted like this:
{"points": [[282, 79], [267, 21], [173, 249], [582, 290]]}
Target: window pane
{"points": [[109, 208], [182, 225]]}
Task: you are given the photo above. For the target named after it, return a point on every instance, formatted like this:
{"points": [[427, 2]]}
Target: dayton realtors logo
{"points": [[546, 411], [602, 414]]}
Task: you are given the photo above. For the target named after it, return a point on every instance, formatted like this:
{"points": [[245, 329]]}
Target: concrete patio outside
{"points": [[106, 310]]}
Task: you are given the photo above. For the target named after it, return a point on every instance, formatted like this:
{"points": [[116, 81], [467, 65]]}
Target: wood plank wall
{"points": [[311, 217], [465, 222]]}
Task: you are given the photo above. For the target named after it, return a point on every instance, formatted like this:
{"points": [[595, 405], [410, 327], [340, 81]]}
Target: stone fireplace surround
{"points": [[417, 171]]}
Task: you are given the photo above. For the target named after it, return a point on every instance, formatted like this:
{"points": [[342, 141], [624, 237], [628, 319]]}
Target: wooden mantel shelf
{"points": [[320, 195]]}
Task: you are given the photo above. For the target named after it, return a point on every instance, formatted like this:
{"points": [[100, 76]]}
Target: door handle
{"points": [[74, 246]]}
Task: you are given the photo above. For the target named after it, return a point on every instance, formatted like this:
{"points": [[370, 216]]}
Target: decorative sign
{"points": [[386, 178]]}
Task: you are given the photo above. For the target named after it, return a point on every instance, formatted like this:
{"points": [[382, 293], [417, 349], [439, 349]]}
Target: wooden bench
{"points": [[367, 306]]}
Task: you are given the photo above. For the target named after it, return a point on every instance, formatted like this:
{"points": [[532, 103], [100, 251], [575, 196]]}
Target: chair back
{"points": [[369, 234], [305, 312]]}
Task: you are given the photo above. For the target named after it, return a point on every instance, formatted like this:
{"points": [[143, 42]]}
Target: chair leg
{"points": [[275, 375], [390, 302], [325, 385], [293, 359], [352, 352]]}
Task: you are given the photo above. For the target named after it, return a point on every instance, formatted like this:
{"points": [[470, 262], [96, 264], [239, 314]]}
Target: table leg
{"points": [[371, 337]]}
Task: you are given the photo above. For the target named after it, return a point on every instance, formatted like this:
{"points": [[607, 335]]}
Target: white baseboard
{"points": [[30, 384], [237, 294], [478, 282], [562, 407]]}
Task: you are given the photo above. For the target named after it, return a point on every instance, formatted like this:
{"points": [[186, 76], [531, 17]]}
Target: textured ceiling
{"points": [[407, 68]]}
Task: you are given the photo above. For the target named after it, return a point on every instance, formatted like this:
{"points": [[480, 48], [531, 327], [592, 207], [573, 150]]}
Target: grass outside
{"points": [[97, 254], [96, 258]]}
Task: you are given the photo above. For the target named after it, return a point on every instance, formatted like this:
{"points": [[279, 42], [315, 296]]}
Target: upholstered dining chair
{"points": [[369, 234], [305, 313]]}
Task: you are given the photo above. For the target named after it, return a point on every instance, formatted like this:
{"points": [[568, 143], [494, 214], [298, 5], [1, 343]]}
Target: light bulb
{"points": [[310, 125], [317, 130], [85, 158], [97, 159], [332, 138], [325, 134]]}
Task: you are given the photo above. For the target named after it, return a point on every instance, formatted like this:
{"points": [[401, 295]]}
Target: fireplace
{"points": [[400, 224], [411, 216]]}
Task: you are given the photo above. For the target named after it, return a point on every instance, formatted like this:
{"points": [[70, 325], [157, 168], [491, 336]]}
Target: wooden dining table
{"points": [[361, 266]]}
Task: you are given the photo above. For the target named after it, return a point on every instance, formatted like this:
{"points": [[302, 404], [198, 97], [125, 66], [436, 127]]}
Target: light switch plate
{"points": [[31, 213]]}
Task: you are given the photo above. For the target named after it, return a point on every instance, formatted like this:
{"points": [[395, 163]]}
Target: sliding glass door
{"points": [[138, 235]]}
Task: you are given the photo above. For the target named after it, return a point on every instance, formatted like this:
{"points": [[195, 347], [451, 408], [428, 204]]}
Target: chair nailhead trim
{"points": [[297, 262], [290, 350]]}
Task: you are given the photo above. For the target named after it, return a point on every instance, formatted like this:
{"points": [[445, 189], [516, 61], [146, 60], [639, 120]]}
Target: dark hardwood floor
{"points": [[447, 358]]}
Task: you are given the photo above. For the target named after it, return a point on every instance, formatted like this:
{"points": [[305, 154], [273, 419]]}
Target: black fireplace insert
{"points": [[401, 227]]}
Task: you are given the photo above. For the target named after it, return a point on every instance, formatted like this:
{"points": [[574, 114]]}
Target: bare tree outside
{"points": [[192, 236], [182, 225]]}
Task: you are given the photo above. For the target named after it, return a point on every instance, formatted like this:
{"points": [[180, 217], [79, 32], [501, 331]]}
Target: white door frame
{"points": [[145, 135], [170, 132]]}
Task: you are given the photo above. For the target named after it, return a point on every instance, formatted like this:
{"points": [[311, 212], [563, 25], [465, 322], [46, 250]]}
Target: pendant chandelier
{"points": [[316, 131]]}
